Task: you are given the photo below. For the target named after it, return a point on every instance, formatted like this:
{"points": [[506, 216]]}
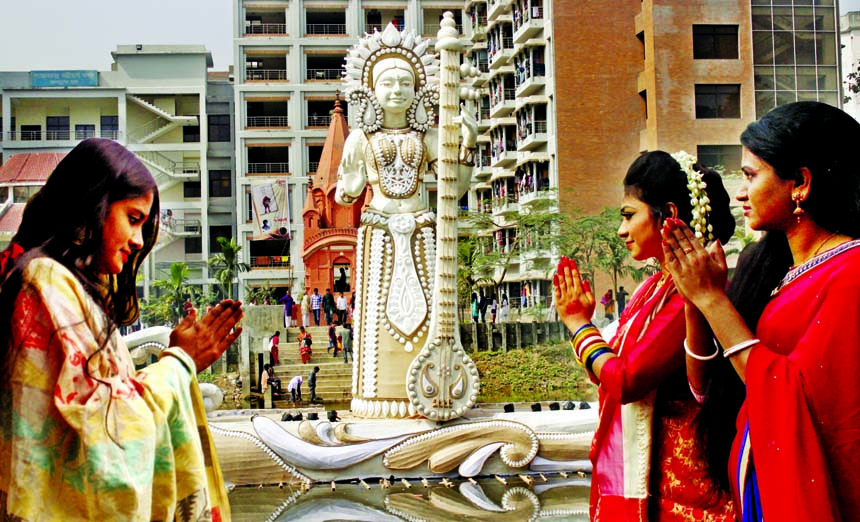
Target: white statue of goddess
{"points": [[391, 79]]}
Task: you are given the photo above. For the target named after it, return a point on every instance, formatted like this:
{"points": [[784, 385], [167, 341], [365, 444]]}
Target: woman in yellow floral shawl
{"points": [[82, 435]]}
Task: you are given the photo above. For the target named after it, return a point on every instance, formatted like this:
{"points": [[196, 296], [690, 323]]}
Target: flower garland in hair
{"points": [[698, 197]]}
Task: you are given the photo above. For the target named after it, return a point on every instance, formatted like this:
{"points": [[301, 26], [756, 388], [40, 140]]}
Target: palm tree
{"points": [[178, 290], [228, 265]]}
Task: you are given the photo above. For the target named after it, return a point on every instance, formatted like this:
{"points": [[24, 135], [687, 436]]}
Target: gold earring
{"points": [[797, 210]]}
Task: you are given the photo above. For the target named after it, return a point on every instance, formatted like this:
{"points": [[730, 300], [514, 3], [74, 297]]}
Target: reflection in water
{"points": [[554, 498]]}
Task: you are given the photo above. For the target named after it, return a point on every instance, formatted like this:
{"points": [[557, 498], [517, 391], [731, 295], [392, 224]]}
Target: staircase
{"points": [[334, 380], [163, 123], [168, 172]]}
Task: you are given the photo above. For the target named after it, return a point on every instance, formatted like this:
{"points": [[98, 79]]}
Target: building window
{"points": [[57, 127], [191, 134], [220, 185], [109, 127], [219, 127], [83, 132], [718, 101], [191, 189], [724, 157], [31, 132], [715, 42], [214, 233], [193, 245]]}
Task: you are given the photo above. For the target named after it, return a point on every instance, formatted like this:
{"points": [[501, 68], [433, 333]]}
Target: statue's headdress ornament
{"points": [[401, 45]]}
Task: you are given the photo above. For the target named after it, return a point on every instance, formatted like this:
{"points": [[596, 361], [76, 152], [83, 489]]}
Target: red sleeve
{"points": [[804, 408], [644, 365]]}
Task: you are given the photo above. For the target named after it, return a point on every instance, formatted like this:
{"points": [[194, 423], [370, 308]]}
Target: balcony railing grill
{"points": [[268, 121], [268, 168]]}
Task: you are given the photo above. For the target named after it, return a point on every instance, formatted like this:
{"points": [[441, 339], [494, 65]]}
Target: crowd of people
{"points": [[733, 401]]}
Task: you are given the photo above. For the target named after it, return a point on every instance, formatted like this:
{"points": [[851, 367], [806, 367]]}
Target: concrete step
{"points": [[318, 334]]}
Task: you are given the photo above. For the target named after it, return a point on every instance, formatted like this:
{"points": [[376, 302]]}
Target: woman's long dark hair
{"points": [[64, 221], [796, 135], [656, 179]]}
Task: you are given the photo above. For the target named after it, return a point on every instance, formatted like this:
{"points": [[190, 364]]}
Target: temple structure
{"points": [[330, 229]]}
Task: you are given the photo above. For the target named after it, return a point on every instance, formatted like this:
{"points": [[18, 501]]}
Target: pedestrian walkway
{"points": [[334, 381]]}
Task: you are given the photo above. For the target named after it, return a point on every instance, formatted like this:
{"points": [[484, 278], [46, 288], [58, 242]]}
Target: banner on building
{"points": [[271, 209]]}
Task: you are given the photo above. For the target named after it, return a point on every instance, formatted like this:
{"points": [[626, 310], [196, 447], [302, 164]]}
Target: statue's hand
{"points": [[468, 127]]}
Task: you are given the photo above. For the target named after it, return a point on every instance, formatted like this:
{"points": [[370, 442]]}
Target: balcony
{"points": [[479, 29], [500, 55], [254, 28], [181, 227], [532, 136], [530, 79], [503, 105], [527, 197], [269, 262], [504, 156], [323, 75], [318, 121], [265, 75], [269, 168], [431, 29], [68, 138], [483, 118], [325, 29], [505, 206], [497, 7], [531, 25], [267, 122]]}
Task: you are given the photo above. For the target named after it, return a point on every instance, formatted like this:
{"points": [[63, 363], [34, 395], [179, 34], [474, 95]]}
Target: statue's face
{"points": [[395, 89]]}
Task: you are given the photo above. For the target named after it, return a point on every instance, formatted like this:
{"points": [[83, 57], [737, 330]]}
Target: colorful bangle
{"points": [[740, 347], [573, 335], [701, 357], [586, 343], [586, 354], [594, 356]]}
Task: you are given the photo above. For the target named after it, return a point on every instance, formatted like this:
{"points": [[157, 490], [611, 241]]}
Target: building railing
{"points": [[265, 75], [76, 135], [270, 262], [319, 121], [258, 28], [326, 29], [323, 74], [182, 227], [313, 166], [268, 168], [432, 29], [268, 121]]}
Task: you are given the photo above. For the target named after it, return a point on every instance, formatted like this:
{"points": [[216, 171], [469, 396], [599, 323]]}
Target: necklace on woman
{"points": [[816, 260]]}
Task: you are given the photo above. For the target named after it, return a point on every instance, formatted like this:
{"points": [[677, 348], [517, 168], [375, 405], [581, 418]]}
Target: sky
{"points": [[80, 34]]}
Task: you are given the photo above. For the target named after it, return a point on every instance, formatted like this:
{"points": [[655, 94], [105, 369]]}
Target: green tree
{"points": [[166, 307], [227, 265], [612, 256]]}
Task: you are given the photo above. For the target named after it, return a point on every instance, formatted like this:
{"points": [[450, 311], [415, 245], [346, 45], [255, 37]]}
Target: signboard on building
{"points": [[64, 79]]}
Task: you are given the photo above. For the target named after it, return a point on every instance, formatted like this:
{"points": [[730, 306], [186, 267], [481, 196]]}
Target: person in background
{"points": [[83, 435], [608, 303], [316, 304], [649, 462], [504, 309], [288, 302], [264, 378], [347, 336], [295, 388], [474, 307], [341, 308], [306, 309], [332, 339], [273, 347], [621, 299], [494, 305], [328, 305], [312, 383], [305, 349], [482, 305]]}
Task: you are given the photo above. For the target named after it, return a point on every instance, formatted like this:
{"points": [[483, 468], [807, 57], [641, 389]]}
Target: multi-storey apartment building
{"points": [[575, 90], [289, 56], [849, 35], [162, 103]]}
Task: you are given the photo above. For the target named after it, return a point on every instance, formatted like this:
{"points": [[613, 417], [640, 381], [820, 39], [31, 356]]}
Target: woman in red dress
{"points": [[796, 455], [647, 462]]}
